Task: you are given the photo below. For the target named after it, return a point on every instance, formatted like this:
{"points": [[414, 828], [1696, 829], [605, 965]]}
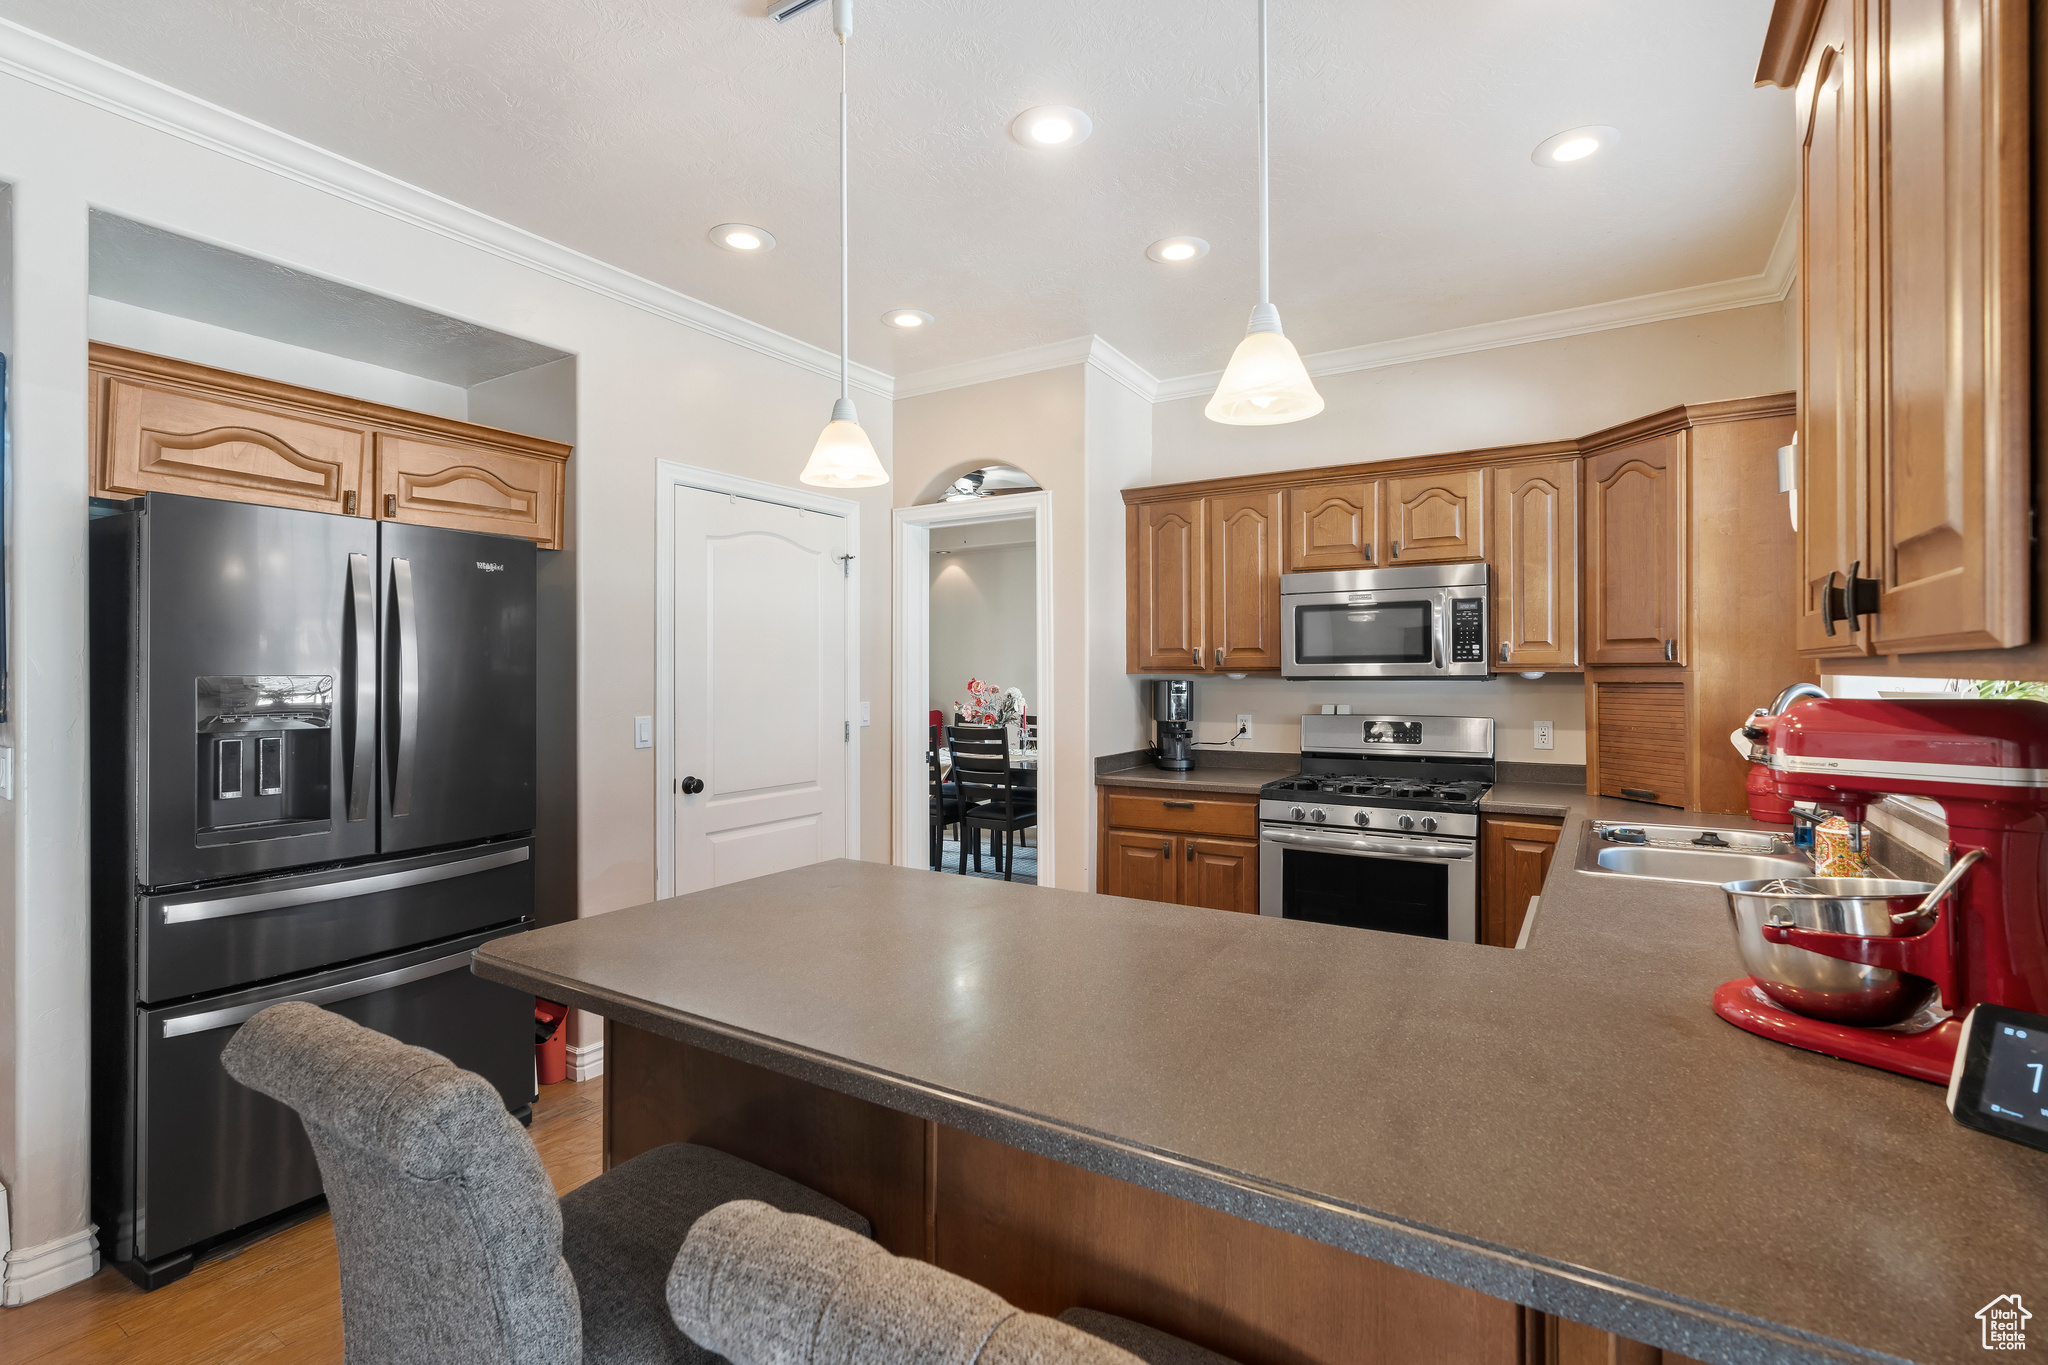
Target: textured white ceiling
{"points": [[1404, 198]]}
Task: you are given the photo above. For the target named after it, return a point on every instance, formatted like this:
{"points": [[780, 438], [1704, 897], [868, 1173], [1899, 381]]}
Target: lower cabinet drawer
{"points": [[1192, 815]]}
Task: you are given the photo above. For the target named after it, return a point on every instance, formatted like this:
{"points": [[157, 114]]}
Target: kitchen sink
{"points": [[1687, 853]]}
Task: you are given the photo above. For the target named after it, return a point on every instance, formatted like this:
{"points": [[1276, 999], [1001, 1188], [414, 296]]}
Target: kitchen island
{"points": [[1198, 1117]]}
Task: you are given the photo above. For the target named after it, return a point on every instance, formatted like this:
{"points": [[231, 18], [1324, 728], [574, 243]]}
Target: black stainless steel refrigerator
{"points": [[313, 771]]}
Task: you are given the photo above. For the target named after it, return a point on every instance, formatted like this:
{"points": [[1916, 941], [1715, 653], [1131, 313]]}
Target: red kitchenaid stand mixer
{"points": [[1986, 763]]}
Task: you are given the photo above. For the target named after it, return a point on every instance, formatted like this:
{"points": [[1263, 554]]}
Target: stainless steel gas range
{"points": [[1380, 830]]}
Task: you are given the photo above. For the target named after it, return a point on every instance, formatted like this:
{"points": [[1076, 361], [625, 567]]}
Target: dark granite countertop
{"points": [[1568, 1126], [1237, 779]]}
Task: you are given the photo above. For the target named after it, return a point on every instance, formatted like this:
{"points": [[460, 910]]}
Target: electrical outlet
{"points": [[643, 732], [1544, 737], [1244, 724]]}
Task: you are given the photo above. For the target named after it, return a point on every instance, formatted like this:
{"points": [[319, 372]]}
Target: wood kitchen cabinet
{"points": [[1688, 551], [1514, 857], [1167, 587], [1198, 850], [1246, 531], [169, 426], [1636, 552], [1916, 305], [1202, 578], [1437, 518], [1333, 526], [1535, 557]]}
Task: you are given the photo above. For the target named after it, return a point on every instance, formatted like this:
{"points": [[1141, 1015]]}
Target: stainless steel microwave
{"points": [[1429, 621]]}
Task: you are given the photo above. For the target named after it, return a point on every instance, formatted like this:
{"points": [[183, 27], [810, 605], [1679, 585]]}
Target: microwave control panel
{"points": [[1468, 631]]}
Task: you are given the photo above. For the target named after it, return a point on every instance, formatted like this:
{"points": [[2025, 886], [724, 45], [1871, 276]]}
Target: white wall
{"points": [[984, 621], [1119, 456], [202, 343], [1538, 391], [1276, 707], [1035, 422], [648, 386]]}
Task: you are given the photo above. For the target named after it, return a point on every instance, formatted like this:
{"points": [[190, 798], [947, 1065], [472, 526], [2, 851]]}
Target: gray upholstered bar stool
{"points": [[767, 1287], [453, 1247]]}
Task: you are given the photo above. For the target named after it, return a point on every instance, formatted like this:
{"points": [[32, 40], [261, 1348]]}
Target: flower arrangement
{"points": [[991, 704]]}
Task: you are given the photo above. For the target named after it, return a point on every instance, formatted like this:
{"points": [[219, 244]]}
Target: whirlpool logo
{"points": [[490, 568]]}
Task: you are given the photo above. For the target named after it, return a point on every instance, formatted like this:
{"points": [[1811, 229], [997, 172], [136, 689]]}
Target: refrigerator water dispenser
{"points": [[263, 755]]}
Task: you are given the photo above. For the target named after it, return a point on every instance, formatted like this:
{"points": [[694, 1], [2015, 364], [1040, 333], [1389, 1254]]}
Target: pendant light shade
{"points": [[1265, 383], [843, 457]]}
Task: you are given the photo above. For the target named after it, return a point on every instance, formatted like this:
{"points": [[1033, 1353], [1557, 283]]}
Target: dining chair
{"points": [[758, 1286], [990, 796], [945, 805], [454, 1249]]}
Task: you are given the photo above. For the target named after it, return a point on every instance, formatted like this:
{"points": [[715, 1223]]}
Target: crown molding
{"points": [[55, 66], [1771, 286], [1053, 355]]}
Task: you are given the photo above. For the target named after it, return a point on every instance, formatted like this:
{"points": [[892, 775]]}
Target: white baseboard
{"points": [[32, 1272], [586, 1063]]}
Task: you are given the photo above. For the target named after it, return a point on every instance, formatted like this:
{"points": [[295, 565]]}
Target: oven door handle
{"points": [[1389, 847]]}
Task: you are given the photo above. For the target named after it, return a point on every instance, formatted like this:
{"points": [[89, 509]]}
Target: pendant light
{"points": [[843, 457], [1265, 383]]}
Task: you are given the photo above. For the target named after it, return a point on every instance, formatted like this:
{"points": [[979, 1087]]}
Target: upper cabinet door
{"points": [[469, 488], [1333, 526], [1245, 532], [1833, 433], [1166, 585], [1636, 553], [1437, 517], [1947, 169], [163, 437], [1536, 565]]}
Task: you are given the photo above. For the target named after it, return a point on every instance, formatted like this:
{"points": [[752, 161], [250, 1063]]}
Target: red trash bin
{"points": [[550, 1041]]}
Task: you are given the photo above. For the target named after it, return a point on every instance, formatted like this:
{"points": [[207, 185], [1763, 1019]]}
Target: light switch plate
{"points": [[643, 732], [864, 719], [6, 773], [1544, 737]]}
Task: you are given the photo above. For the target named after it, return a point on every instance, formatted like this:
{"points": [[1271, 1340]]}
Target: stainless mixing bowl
{"points": [[1822, 987]]}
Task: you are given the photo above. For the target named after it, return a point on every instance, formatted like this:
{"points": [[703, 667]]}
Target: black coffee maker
{"points": [[1173, 709]]}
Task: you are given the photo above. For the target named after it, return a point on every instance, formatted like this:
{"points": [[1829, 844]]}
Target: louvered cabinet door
{"points": [[1166, 584], [469, 488], [163, 437], [1641, 740]]}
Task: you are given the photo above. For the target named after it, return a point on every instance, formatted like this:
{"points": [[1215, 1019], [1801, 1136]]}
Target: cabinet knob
{"points": [[1165, 849], [1219, 656], [1397, 549], [391, 504], [1198, 657], [1503, 651], [348, 503], [1671, 651], [1367, 549], [1191, 852]]}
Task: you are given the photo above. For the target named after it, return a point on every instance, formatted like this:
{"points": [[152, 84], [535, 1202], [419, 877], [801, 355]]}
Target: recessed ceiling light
{"points": [[1051, 127], [906, 318], [1175, 250], [1574, 144], [742, 237]]}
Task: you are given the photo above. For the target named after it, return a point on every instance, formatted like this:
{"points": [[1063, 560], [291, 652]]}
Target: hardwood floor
{"points": [[278, 1299]]}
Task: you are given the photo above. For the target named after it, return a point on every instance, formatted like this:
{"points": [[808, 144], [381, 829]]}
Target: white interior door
{"points": [[760, 687]]}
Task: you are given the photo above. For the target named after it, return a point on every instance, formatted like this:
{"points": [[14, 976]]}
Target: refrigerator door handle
{"points": [[206, 1020], [362, 588], [408, 670], [223, 907]]}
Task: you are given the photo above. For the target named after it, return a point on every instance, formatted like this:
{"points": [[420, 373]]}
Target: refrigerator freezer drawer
{"points": [[213, 1156], [196, 942]]}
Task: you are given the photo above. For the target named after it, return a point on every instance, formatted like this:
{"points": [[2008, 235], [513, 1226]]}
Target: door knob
{"points": [[692, 785]]}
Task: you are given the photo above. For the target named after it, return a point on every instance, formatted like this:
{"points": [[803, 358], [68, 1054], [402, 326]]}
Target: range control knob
{"points": [[1298, 813], [1406, 822], [1318, 815], [1361, 818], [1429, 824]]}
